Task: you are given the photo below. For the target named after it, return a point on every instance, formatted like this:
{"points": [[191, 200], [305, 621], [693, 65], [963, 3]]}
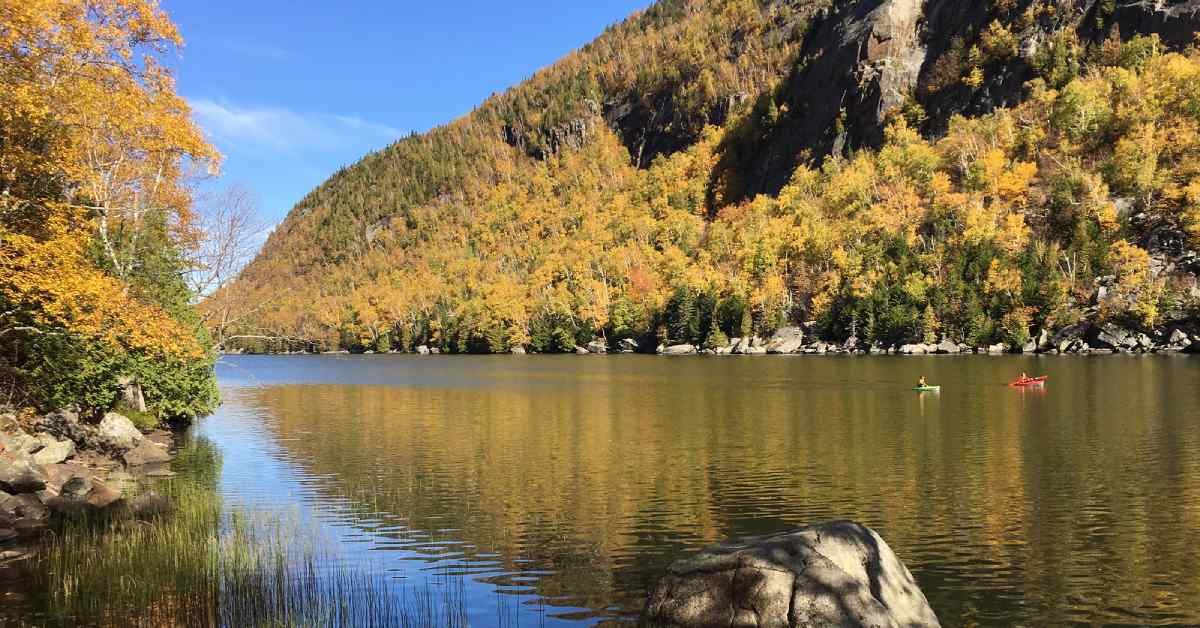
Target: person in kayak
{"points": [[921, 383], [1024, 377]]}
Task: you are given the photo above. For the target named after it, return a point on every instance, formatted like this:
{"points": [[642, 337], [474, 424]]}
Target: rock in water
{"points": [[117, 432], [834, 574], [146, 453], [681, 350]]}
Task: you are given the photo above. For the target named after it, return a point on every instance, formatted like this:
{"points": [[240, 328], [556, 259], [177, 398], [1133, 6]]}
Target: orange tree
{"points": [[96, 154]]}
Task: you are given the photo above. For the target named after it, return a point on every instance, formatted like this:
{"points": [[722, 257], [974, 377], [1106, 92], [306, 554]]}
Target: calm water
{"points": [[559, 487]]}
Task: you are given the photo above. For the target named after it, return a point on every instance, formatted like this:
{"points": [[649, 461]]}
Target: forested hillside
{"points": [[898, 170]]}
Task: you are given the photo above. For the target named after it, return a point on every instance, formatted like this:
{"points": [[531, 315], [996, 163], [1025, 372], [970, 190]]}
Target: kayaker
{"points": [[1024, 377], [921, 383]]}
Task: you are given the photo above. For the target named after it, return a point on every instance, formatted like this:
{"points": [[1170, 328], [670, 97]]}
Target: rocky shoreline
{"points": [[60, 466], [1080, 339]]}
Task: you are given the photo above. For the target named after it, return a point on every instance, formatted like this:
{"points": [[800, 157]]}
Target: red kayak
{"points": [[1030, 381]]}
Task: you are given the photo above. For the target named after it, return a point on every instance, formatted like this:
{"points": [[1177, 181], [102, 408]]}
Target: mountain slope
{"points": [[656, 185]]}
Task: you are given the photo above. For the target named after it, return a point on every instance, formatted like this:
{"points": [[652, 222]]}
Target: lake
{"points": [[555, 489]]}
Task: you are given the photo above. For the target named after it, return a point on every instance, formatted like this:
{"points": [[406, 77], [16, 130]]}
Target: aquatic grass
{"points": [[203, 564]]}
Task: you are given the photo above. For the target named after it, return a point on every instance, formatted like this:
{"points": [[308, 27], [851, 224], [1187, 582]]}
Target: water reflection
{"points": [[571, 482]]}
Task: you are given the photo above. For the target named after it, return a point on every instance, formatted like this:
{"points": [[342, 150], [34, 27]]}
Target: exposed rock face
{"points": [[835, 574], [628, 345], [117, 432], [422, 350], [786, 340], [865, 59], [597, 346], [517, 351], [680, 350]]}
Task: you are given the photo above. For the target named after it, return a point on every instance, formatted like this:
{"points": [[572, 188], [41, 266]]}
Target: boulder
{"points": [[912, 349], [102, 496], [1178, 338], [517, 351], [852, 344], [1114, 337], [597, 346], [422, 350], [786, 340], [435, 351], [52, 451], [995, 349], [628, 345], [1043, 340], [146, 453], [755, 350], [582, 351], [947, 346], [834, 574], [19, 475], [65, 424], [117, 433], [680, 350], [1066, 336]]}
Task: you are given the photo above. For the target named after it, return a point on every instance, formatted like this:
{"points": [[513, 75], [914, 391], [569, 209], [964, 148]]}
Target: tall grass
{"points": [[203, 565]]}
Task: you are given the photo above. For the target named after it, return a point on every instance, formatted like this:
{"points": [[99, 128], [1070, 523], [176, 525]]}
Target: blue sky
{"points": [[290, 91]]}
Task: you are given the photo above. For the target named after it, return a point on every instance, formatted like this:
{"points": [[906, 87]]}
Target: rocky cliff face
{"points": [[866, 59]]}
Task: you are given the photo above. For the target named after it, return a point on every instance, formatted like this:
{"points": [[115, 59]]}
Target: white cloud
{"points": [[279, 130]]}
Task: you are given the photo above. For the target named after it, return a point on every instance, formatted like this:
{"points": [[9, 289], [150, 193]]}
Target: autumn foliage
{"points": [[96, 153]]}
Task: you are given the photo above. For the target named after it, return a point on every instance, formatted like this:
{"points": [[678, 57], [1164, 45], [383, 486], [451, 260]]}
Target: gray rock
{"points": [[582, 351], [786, 340], [19, 475], [947, 346], [435, 351], [912, 349], [835, 574], [422, 350], [65, 424], [628, 344], [1043, 340], [146, 453], [681, 350], [755, 350], [1114, 337], [1178, 338], [597, 346], [53, 451], [517, 351], [117, 433], [996, 348]]}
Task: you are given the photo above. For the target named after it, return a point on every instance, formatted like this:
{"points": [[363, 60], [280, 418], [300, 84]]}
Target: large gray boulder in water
{"points": [[834, 574]]}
